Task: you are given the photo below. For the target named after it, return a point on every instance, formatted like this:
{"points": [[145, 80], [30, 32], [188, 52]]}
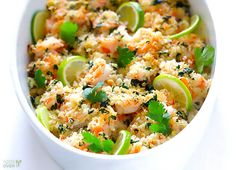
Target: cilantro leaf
{"points": [[39, 78], [204, 57], [125, 56], [68, 32], [95, 148], [94, 95], [96, 145], [90, 138], [108, 145], [156, 110]]}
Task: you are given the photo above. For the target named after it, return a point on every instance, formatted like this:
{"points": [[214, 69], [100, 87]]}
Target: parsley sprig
{"points": [[157, 112], [94, 94], [96, 145], [39, 78], [204, 57], [125, 56]]}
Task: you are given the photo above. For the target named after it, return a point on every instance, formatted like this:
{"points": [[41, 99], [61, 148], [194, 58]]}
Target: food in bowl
{"points": [[117, 77]]}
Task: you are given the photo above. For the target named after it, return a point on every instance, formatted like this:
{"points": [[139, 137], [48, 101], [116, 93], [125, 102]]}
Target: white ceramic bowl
{"points": [[171, 155]]}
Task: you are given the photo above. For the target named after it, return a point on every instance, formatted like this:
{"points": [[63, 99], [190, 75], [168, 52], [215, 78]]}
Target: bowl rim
{"points": [[35, 123]]}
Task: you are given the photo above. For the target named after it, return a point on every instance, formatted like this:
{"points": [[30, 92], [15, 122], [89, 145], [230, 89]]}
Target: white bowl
{"points": [[172, 155]]}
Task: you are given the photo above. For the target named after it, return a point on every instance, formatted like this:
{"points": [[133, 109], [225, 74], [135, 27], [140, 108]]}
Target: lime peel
{"points": [[177, 87], [195, 20], [38, 25], [132, 13], [70, 68], [122, 144], [43, 116]]}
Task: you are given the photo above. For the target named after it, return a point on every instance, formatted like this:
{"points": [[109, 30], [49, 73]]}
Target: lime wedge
{"points": [[122, 144], [132, 13], [38, 25], [181, 93], [195, 20], [70, 68], [43, 116]]}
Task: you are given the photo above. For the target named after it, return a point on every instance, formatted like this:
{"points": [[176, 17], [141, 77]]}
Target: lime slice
{"points": [[181, 93], [132, 13], [195, 20], [38, 25], [122, 144], [43, 116], [70, 68]]}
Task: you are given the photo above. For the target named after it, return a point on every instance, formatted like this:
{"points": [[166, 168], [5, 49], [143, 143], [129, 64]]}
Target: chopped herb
{"points": [[60, 99], [90, 64], [113, 117], [155, 2], [32, 99], [55, 82], [112, 30], [177, 57], [133, 141], [204, 57], [149, 87], [71, 120], [166, 18], [49, 73], [94, 94], [55, 67], [39, 78], [183, 115], [96, 145], [157, 112], [103, 110], [136, 82], [148, 68], [61, 128], [125, 56], [54, 107], [124, 86], [187, 71], [90, 111], [181, 74], [104, 103], [178, 67]]}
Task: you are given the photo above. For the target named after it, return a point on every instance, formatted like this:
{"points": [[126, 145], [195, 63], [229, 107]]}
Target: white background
{"points": [[217, 149]]}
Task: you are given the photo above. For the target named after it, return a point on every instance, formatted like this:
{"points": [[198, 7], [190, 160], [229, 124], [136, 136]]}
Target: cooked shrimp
{"points": [[106, 21], [97, 3], [127, 106], [49, 44], [109, 45], [100, 71]]}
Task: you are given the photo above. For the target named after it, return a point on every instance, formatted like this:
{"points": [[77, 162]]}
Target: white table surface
{"points": [[217, 149]]}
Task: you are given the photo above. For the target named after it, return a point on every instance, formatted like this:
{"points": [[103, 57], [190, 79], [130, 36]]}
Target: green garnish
{"points": [[157, 112], [94, 94], [125, 56], [68, 32], [204, 57], [39, 78], [96, 145], [43, 116]]}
